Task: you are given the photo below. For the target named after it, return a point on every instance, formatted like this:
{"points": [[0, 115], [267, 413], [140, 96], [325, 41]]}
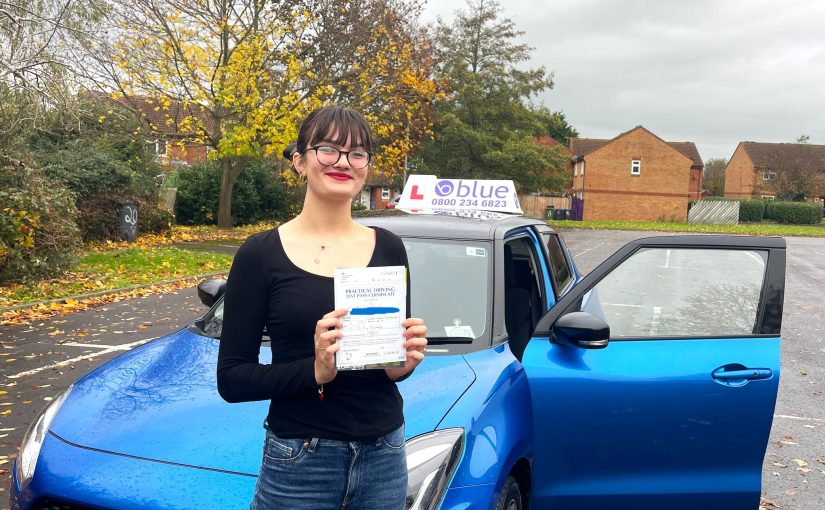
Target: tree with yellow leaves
{"points": [[238, 75]]}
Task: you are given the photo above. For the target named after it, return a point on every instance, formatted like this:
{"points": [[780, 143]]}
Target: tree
{"points": [[713, 176], [485, 126], [794, 170], [246, 71], [558, 128], [34, 76]]}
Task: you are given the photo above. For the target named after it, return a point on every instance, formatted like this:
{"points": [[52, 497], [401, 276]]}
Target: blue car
{"points": [[650, 383]]}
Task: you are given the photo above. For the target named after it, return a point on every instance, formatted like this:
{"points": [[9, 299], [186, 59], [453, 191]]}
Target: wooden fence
{"points": [[534, 206]]}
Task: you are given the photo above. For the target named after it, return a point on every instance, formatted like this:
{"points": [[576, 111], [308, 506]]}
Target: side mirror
{"points": [[210, 291], [581, 329]]}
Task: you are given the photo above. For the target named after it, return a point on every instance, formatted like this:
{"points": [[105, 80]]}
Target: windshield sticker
{"points": [[459, 331], [473, 251]]}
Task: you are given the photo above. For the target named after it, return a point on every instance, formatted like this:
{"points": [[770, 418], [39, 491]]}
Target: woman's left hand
{"points": [[415, 343]]}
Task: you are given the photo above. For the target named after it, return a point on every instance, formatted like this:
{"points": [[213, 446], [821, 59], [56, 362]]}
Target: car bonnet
{"points": [[159, 402]]}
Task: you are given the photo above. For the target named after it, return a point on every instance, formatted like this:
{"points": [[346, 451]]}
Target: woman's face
{"points": [[332, 170]]}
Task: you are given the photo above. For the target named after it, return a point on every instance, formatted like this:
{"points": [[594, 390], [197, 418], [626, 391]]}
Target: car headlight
{"points": [[431, 461], [33, 440]]}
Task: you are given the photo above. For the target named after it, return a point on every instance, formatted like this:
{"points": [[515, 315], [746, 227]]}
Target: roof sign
{"points": [[429, 194]]}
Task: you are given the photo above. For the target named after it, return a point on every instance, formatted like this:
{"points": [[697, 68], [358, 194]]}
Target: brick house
{"points": [[170, 136], [754, 164], [635, 176]]}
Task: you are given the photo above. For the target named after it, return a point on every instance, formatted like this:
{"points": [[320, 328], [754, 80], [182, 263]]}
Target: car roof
{"points": [[450, 227]]}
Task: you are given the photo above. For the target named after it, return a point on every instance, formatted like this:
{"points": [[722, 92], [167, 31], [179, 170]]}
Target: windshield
{"points": [[449, 290]]}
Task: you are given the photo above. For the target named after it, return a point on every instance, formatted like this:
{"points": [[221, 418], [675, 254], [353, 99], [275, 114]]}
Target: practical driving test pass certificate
{"points": [[377, 301]]}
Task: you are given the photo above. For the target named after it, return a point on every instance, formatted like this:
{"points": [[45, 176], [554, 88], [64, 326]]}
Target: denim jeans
{"points": [[322, 474]]}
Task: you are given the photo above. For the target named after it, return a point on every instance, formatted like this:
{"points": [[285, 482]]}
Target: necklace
{"points": [[322, 246]]}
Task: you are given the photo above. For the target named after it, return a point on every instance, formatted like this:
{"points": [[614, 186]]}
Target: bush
{"points": [[154, 219], [798, 213], [38, 236], [751, 210], [259, 194]]}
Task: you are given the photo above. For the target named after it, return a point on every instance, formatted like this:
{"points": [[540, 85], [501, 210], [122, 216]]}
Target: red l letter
{"points": [[414, 195]]}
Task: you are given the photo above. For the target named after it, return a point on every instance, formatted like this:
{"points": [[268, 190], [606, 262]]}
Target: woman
{"points": [[333, 439]]}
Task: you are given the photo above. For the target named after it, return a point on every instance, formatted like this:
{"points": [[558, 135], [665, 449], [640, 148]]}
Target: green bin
{"points": [[548, 212]]}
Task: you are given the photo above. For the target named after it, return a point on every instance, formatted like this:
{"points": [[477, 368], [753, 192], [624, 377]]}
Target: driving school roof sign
{"points": [[428, 193]]}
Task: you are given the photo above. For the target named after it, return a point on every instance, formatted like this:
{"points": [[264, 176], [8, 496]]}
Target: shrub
{"points": [[751, 210], [259, 193], [798, 213], [38, 235], [154, 219]]}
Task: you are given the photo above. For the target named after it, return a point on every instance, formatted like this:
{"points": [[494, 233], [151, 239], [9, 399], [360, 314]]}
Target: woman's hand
{"points": [[415, 343], [327, 332]]}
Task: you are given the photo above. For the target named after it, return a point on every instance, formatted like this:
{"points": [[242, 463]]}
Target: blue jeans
{"points": [[322, 474]]}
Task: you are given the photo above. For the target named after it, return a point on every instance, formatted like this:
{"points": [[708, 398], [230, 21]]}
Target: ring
{"points": [[319, 346]]}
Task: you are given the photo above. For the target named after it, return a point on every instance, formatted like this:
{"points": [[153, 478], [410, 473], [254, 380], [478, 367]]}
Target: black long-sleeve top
{"points": [[265, 289]]}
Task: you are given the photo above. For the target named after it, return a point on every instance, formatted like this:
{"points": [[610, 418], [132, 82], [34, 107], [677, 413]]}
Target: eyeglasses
{"points": [[330, 155]]}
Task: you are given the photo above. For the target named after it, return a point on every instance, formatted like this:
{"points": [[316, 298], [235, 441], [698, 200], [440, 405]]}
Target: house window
{"points": [[582, 167], [768, 174], [768, 197], [635, 167], [575, 168], [160, 147], [385, 193]]}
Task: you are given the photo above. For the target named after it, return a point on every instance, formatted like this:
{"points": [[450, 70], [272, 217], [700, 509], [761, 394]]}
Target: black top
{"points": [[265, 289]]}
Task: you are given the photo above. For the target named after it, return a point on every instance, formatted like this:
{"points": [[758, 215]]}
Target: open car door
{"points": [[654, 380]]}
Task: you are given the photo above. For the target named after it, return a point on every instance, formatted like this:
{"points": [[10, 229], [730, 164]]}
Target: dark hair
{"points": [[334, 120]]}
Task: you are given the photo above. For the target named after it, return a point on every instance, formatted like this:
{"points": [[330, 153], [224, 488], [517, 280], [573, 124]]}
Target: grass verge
{"points": [[754, 229], [114, 269]]}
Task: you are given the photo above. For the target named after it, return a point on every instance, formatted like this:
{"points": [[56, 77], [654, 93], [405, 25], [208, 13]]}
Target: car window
{"points": [[449, 288], [559, 267], [681, 292], [449, 285]]}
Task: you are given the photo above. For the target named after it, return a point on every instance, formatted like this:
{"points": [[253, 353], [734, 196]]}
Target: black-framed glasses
{"points": [[330, 155]]}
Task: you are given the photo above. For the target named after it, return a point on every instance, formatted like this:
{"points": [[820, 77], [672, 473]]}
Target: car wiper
{"points": [[447, 340]]}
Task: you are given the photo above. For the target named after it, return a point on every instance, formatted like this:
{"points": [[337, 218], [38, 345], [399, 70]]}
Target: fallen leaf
{"points": [[800, 462], [790, 492], [804, 470], [779, 464]]}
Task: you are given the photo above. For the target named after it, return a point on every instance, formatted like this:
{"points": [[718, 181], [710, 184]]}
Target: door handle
{"points": [[738, 375]]}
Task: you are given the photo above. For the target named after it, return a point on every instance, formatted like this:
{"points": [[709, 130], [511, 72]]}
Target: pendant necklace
{"points": [[322, 247]]}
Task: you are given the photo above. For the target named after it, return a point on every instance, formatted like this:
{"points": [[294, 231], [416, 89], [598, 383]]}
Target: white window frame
{"points": [[768, 197], [636, 167], [161, 142], [575, 169], [582, 167], [385, 193], [768, 174]]}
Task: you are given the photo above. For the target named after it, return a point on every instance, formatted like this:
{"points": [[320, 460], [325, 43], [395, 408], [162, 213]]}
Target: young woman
{"points": [[334, 440]]}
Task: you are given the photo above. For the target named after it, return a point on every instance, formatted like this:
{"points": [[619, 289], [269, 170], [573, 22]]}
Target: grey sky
{"points": [[714, 72]]}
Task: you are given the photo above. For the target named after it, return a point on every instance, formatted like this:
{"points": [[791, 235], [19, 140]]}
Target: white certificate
{"points": [[377, 301]]}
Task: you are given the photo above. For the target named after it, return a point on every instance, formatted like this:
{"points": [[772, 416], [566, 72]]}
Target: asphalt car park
{"points": [[797, 433]]}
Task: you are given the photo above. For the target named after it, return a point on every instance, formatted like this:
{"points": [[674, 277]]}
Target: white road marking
{"points": [[80, 358], [587, 250], [98, 346], [667, 258], [798, 418]]}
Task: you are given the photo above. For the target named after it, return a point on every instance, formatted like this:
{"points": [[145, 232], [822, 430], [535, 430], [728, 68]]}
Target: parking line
{"points": [[798, 418], [80, 358], [587, 250]]}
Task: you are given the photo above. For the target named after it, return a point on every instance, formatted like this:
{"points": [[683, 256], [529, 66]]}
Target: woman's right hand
{"points": [[327, 332]]}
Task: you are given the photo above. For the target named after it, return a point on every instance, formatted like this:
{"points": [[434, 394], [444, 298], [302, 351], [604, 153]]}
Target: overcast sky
{"points": [[713, 72]]}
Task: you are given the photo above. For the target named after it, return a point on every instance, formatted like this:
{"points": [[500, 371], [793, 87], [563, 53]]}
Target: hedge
{"points": [[751, 210], [38, 234], [798, 213]]}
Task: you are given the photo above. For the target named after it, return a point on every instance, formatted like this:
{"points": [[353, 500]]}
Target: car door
{"points": [[674, 410]]}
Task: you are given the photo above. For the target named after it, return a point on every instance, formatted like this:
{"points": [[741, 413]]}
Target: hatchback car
{"points": [[650, 383]]}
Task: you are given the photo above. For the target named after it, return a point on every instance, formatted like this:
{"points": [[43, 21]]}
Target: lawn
{"points": [[753, 229], [112, 269]]}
